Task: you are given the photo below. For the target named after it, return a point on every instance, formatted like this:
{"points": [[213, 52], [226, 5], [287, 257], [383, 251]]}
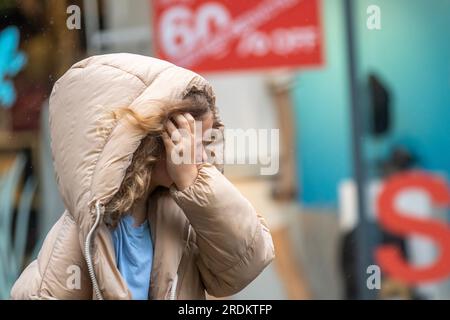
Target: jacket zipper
{"points": [[173, 289], [99, 209]]}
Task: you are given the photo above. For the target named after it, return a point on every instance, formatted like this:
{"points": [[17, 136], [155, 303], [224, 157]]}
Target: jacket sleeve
{"points": [[234, 243]]}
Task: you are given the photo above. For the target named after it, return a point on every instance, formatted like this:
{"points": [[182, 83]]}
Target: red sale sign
{"points": [[227, 35]]}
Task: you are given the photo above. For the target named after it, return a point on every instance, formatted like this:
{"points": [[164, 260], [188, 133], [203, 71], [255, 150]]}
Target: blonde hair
{"points": [[138, 175]]}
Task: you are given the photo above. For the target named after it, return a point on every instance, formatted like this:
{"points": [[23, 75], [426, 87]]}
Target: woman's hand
{"points": [[180, 144]]}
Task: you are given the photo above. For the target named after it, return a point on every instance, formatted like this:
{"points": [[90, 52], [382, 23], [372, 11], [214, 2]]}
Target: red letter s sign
{"points": [[389, 257]]}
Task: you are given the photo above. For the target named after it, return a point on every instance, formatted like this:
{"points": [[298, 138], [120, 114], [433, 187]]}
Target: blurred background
{"points": [[360, 93]]}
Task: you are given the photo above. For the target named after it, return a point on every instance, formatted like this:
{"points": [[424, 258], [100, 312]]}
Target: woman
{"points": [[139, 223]]}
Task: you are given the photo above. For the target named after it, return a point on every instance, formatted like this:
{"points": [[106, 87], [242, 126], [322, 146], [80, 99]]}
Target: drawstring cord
{"points": [[87, 250]]}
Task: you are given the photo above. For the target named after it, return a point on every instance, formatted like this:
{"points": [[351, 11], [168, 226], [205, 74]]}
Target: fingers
{"points": [[185, 124], [191, 122], [198, 150], [168, 143], [177, 129], [172, 130], [170, 127], [182, 122]]}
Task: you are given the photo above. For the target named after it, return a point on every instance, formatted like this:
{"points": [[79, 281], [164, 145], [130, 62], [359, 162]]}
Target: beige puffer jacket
{"points": [[206, 237]]}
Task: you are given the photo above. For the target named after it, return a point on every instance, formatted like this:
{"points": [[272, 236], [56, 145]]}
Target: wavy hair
{"points": [[138, 175]]}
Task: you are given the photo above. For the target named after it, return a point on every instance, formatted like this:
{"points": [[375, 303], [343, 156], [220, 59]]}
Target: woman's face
{"points": [[160, 176]]}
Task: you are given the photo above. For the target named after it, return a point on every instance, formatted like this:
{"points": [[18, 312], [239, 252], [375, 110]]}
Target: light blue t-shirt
{"points": [[134, 255]]}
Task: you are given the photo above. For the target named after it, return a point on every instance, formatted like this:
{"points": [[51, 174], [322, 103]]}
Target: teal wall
{"points": [[321, 105], [411, 53]]}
